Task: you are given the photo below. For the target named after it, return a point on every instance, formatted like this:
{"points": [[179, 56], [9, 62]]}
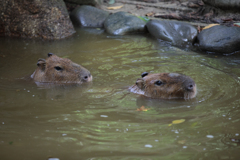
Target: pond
{"points": [[102, 119]]}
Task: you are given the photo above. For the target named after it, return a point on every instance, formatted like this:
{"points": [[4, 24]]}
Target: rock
{"points": [[92, 31], [122, 23], [84, 2], [33, 19], [224, 4], [220, 39], [88, 16], [179, 33]]}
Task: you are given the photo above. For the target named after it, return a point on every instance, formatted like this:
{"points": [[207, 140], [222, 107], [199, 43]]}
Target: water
{"points": [[102, 120]]}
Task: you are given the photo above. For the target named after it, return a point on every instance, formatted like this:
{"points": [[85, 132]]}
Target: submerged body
{"points": [[165, 85], [60, 70]]}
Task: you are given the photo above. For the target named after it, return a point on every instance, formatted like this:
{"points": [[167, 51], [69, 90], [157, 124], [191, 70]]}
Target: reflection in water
{"points": [[101, 120]]}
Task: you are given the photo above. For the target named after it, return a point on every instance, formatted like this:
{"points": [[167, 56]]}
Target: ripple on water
{"points": [[104, 118]]}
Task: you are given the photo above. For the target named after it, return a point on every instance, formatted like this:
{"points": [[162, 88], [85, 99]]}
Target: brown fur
{"points": [[60, 70], [172, 85]]}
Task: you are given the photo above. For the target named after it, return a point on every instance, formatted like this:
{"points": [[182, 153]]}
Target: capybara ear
{"points": [[144, 74], [41, 63], [50, 54]]}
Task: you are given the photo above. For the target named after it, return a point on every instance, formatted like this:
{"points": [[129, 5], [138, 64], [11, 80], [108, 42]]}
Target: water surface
{"points": [[101, 120]]}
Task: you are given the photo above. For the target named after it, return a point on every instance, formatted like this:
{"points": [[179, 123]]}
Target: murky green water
{"points": [[100, 120]]}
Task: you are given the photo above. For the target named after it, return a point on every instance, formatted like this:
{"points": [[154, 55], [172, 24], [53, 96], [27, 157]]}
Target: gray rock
{"points": [[224, 4], [179, 33], [122, 23], [35, 19], [84, 2], [88, 16], [220, 39]]}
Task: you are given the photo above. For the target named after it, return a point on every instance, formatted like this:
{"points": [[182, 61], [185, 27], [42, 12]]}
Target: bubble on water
{"points": [[28, 91], [184, 147], [156, 140], [148, 145], [53, 159], [210, 136], [64, 134], [224, 115], [204, 149], [103, 116], [237, 134], [33, 95], [2, 122]]}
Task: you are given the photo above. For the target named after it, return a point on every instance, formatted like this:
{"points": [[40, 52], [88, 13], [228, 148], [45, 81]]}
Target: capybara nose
{"points": [[87, 77], [190, 86]]}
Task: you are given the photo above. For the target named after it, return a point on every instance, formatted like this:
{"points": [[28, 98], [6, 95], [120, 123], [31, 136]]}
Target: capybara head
{"points": [[60, 70], [165, 85]]}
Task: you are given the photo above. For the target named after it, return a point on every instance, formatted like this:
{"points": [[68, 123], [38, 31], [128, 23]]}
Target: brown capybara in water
{"points": [[165, 85], [60, 70]]}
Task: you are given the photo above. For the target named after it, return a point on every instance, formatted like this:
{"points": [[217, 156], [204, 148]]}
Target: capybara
{"points": [[60, 70], [165, 86]]}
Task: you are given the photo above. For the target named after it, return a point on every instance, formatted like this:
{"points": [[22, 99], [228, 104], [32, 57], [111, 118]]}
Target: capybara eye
{"points": [[58, 68], [158, 83], [144, 74]]}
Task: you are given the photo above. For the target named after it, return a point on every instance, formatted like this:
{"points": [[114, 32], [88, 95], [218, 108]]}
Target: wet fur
{"points": [[173, 86], [70, 73]]}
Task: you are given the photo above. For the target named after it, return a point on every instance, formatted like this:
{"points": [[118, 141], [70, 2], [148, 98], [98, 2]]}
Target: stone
{"points": [[220, 39], [224, 4], [122, 23], [178, 33], [88, 16], [35, 19], [84, 2]]}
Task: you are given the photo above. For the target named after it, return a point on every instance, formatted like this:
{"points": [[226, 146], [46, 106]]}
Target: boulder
{"points": [[224, 4], [88, 16], [220, 39], [84, 2], [179, 33], [35, 19], [122, 23]]}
